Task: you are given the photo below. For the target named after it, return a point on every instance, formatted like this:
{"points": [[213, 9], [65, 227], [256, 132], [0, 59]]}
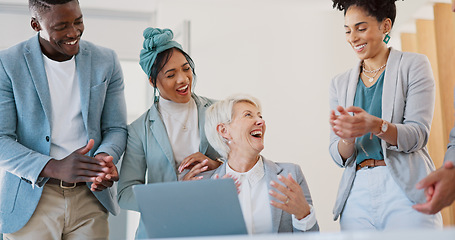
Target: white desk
{"points": [[446, 234]]}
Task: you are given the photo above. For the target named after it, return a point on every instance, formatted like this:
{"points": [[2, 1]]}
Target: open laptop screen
{"points": [[193, 208]]}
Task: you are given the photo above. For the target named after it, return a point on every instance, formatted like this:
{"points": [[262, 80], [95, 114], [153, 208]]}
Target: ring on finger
{"points": [[287, 200]]}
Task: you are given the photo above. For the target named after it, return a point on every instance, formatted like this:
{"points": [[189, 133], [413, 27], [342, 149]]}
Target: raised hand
{"points": [[290, 197], [349, 127]]}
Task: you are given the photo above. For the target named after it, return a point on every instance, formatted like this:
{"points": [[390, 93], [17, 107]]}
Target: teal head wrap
{"points": [[155, 41]]}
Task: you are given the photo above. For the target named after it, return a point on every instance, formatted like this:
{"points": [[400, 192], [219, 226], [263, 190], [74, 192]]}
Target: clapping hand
{"points": [[107, 178], [349, 127], [77, 167]]}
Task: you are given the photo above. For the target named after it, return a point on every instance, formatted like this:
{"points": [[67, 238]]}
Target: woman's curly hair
{"points": [[380, 9]]}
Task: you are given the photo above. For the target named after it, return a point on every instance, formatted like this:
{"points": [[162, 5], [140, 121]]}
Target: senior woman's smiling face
{"points": [[247, 128]]}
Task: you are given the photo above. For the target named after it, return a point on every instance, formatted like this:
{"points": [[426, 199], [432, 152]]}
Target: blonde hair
{"points": [[221, 113]]}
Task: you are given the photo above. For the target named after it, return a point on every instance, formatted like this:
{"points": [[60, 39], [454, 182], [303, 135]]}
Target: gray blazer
{"points": [[281, 220], [408, 102], [149, 157], [25, 124]]}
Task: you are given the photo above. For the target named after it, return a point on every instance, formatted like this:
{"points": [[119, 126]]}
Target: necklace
{"points": [[375, 72], [363, 149], [185, 121]]}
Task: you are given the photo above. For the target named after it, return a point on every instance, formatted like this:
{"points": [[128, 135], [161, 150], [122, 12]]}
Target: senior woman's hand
{"points": [[291, 197], [347, 126], [195, 158], [236, 180]]}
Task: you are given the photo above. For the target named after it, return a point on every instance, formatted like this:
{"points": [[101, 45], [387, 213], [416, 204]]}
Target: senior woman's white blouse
{"points": [[255, 202]]}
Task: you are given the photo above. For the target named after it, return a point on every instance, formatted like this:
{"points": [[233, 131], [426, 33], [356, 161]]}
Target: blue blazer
{"points": [[149, 157], [281, 220], [25, 123], [408, 102]]}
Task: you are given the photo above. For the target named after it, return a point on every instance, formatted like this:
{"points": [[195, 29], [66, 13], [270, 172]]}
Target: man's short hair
{"points": [[37, 7]]}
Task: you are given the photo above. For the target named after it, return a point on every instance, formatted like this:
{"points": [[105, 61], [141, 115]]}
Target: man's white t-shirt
{"points": [[68, 132]]}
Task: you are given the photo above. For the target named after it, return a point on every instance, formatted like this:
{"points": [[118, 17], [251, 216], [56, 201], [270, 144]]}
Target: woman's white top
{"points": [[255, 202], [181, 121]]}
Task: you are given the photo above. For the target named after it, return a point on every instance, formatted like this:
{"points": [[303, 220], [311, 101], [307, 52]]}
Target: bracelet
{"points": [[346, 142], [219, 160]]}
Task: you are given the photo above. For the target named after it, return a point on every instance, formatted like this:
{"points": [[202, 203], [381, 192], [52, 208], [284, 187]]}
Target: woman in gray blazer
{"points": [[274, 196], [166, 143], [381, 117]]}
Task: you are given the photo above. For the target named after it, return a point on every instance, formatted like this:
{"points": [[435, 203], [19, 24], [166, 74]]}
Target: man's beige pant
{"points": [[68, 214]]}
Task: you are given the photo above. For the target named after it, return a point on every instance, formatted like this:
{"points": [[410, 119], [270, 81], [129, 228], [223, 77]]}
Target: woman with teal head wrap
{"points": [[168, 142], [158, 42]]}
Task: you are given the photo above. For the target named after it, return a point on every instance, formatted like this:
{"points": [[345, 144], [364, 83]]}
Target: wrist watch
{"points": [[383, 129]]}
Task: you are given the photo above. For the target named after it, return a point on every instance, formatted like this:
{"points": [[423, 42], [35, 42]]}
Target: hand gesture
{"points": [[439, 189], [195, 170], [108, 178], [349, 127], [290, 196], [195, 158], [76, 167], [236, 180], [334, 117]]}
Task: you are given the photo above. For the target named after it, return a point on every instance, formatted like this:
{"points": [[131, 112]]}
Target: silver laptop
{"points": [[193, 208]]}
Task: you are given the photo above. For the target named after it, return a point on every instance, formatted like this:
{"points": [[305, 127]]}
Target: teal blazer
{"points": [[25, 123], [408, 102], [149, 157]]}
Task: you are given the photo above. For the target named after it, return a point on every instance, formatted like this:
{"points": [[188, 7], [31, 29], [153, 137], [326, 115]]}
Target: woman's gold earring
{"points": [[386, 38]]}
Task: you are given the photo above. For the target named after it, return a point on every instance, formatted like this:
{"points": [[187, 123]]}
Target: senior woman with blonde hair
{"points": [[274, 196]]}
